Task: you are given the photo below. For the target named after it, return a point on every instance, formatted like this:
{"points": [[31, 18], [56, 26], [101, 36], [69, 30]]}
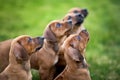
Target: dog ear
{"points": [[48, 34], [75, 54], [19, 52]]}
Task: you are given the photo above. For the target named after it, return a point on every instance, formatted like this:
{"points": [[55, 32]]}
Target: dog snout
{"points": [[40, 42], [85, 32], [85, 12], [40, 39], [70, 22], [79, 18]]}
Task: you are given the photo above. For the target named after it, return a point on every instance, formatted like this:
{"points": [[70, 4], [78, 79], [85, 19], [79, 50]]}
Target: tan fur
{"points": [[77, 28], [19, 63], [4, 57], [76, 68], [57, 37], [47, 57], [53, 37]]}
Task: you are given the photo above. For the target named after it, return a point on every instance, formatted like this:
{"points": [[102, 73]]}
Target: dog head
{"points": [[75, 44], [77, 15], [56, 29], [76, 10], [80, 41], [23, 46]]}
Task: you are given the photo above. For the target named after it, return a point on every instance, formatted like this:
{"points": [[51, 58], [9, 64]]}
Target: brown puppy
{"points": [[47, 57], [19, 63], [77, 16], [76, 68], [4, 57], [55, 31]]}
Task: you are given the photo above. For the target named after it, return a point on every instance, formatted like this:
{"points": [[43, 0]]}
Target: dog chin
{"points": [[38, 48], [79, 23]]}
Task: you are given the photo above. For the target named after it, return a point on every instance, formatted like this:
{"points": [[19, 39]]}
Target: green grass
{"points": [[30, 17]]}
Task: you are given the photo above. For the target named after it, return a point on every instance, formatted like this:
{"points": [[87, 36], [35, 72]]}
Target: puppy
{"points": [[54, 33], [76, 68], [4, 56], [21, 49], [77, 16], [45, 59]]}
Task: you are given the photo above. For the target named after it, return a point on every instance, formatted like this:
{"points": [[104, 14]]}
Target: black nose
{"points": [[79, 15], [85, 32], [41, 38], [79, 18], [85, 12], [70, 22]]}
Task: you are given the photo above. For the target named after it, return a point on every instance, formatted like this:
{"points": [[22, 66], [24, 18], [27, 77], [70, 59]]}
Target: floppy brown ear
{"points": [[48, 34], [19, 52], [75, 54]]}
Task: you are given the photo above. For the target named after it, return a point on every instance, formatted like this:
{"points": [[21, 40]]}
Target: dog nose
{"points": [[79, 15], [70, 22], [85, 32], [85, 12], [41, 38]]}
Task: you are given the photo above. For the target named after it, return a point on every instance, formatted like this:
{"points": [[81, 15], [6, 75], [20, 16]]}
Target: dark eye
{"points": [[72, 45], [69, 17], [78, 38], [75, 11], [58, 25], [29, 39]]}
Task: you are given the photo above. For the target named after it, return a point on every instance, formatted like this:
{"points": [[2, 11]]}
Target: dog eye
{"points": [[69, 17], [72, 45], [78, 38], [29, 39], [58, 25], [75, 11]]}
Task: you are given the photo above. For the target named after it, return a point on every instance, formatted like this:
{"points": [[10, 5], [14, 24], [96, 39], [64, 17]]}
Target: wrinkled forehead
{"points": [[21, 37], [75, 10], [70, 15], [54, 22], [75, 37]]}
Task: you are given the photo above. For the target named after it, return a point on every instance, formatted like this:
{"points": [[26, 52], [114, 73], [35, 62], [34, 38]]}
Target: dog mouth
{"points": [[79, 23], [38, 48], [79, 19], [41, 41]]}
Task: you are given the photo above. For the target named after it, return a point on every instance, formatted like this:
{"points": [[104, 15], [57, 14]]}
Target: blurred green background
{"points": [[30, 17]]}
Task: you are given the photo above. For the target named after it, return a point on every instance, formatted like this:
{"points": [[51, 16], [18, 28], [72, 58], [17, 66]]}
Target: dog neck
{"points": [[15, 64], [82, 64], [78, 29], [51, 45], [76, 65]]}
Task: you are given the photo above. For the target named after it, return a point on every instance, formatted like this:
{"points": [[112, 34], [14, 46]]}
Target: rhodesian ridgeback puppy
{"points": [[55, 31], [21, 49], [76, 68], [4, 54], [77, 16], [46, 58]]}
